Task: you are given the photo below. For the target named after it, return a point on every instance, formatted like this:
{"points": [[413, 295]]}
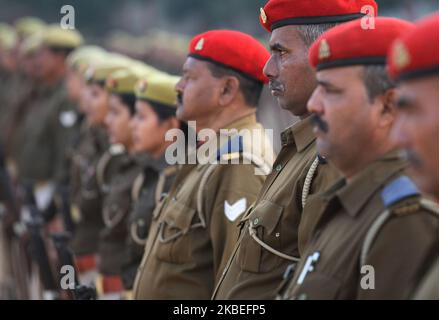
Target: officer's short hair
{"points": [[250, 88], [129, 100], [310, 32], [376, 80]]}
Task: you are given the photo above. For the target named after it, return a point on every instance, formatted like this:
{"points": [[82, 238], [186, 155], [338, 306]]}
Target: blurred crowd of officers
{"points": [[346, 210]]}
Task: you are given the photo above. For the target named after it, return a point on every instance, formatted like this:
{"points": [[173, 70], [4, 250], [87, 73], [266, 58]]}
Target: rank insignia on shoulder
{"points": [[399, 189]]}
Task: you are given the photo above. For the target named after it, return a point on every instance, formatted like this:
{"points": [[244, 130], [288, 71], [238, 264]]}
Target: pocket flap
{"points": [[266, 214], [178, 215]]}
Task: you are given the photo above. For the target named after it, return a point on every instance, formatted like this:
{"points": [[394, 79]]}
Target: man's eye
{"points": [[332, 91]]}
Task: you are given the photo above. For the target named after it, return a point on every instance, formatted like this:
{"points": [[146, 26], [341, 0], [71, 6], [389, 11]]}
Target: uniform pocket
{"points": [[252, 256], [174, 237]]}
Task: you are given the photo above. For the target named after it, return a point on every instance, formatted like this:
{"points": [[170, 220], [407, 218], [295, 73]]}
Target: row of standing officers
{"points": [[337, 214]]}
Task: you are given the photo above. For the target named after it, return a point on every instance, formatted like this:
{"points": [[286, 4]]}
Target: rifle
{"points": [[38, 252], [6, 193], [8, 215], [63, 192], [65, 258]]}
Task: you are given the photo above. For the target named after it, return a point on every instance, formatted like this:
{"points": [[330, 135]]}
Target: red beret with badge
{"points": [[279, 13], [353, 43], [416, 53], [231, 49]]}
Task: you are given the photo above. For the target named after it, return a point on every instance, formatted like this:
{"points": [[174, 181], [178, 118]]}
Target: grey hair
{"points": [[309, 33], [376, 80]]}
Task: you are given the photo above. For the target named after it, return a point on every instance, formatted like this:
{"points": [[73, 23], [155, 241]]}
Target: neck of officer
{"points": [[160, 150], [368, 155], [223, 118]]}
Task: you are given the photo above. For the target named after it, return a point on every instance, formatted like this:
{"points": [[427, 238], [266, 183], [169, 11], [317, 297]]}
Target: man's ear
{"points": [[229, 91], [388, 109]]}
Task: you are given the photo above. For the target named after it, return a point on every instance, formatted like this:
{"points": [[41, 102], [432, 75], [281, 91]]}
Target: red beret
{"points": [[279, 13], [231, 49], [352, 44], [416, 54]]}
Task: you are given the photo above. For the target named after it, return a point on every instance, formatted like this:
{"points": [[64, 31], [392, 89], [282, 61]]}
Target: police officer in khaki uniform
{"points": [[20, 89], [116, 172], [155, 115], [375, 229], [40, 139], [8, 67], [75, 83], [85, 192], [26, 81], [195, 226], [50, 120], [19, 92], [274, 232], [8, 212], [413, 61]]}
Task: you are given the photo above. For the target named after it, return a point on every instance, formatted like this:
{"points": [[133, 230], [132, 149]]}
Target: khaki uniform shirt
{"points": [[365, 246], [149, 188], [253, 272], [116, 172], [428, 288], [44, 134], [191, 233], [86, 197]]}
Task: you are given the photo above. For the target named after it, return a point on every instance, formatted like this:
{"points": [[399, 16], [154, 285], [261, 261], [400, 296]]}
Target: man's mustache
{"points": [[179, 98], [276, 85], [412, 157], [319, 123]]}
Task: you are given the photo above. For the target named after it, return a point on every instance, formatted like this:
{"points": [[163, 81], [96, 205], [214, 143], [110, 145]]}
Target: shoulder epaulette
{"points": [[399, 189], [232, 149]]}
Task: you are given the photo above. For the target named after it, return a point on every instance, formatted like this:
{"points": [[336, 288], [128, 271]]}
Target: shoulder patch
{"points": [[399, 189], [233, 146]]}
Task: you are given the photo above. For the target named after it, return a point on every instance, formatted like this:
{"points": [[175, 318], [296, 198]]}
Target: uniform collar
{"points": [[301, 134], [354, 196]]}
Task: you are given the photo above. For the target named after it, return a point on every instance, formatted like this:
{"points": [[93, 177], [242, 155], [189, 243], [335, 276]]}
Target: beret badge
{"points": [[401, 55], [324, 50]]}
